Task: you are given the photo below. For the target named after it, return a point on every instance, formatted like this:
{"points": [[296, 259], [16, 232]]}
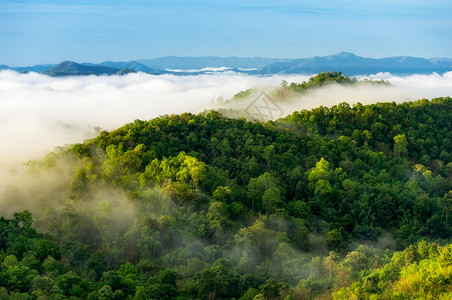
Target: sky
{"points": [[41, 32]]}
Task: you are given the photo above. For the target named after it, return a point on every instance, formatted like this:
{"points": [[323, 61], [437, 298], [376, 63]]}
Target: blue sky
{"points": [[35, 32]]}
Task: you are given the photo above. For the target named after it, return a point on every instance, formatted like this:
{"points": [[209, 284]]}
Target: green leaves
{"points": [[421, 271], [215, 198]]}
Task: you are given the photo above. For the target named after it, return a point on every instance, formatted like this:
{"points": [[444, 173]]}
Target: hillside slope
{"points": [[202, 206]]}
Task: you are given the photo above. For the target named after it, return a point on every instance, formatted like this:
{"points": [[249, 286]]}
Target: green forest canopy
{"points": [[343, 202], [286, 90]]}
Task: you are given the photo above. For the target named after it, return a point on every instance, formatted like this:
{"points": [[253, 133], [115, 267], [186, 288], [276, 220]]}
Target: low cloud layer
{"points": [[402, 89], [38, 112]]}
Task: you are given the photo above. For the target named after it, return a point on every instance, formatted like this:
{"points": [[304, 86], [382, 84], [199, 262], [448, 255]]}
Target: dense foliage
{"points": [[202, 206], [422, 271], [322, 79], [326, 78]]}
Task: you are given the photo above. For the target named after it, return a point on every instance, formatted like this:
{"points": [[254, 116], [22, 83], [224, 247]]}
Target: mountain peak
{"points": [[70, 68], [344, 54]]}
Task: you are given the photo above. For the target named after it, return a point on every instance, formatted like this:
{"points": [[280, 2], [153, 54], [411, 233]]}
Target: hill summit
{"points": [[70, 68]]}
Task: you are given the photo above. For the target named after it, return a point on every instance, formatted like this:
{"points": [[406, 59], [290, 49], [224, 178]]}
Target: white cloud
{"points": [[38, 112]]}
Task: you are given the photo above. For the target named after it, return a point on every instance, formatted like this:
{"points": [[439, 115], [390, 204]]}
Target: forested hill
{"points": [[205, 207], [70, 68]]}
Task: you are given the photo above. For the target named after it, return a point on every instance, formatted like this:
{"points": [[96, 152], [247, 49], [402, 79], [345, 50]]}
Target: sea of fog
{"points": [[38, 113]]}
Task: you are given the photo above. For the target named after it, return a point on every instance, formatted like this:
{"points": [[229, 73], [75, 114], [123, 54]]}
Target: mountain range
{"points": [[70, 68], [346, 62], [352, 64], [175, 62]]}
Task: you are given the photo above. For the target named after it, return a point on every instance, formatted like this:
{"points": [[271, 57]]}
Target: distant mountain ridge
{"points": [[35, 68], [132, 65], [176, 62], [346, 62], [70, 68], [352, 64]]}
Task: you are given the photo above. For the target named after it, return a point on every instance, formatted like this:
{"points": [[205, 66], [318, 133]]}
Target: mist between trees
{"points": [[202, 206], [39, 113]]}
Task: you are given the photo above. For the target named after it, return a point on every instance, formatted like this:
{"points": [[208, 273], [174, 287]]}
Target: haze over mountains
{"points": [[174, 62], [346, 62], [352, 64]]}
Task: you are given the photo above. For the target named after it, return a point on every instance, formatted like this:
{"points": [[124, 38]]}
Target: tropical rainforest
{"points": [[342, 202]]}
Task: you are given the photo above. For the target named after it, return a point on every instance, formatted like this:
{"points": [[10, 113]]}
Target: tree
{"points": [[446, 203], [271, 200], [322, 187], [400, 145], [335, 240], [24, 221], [258, 186], [271, 289], [222, 194]]}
